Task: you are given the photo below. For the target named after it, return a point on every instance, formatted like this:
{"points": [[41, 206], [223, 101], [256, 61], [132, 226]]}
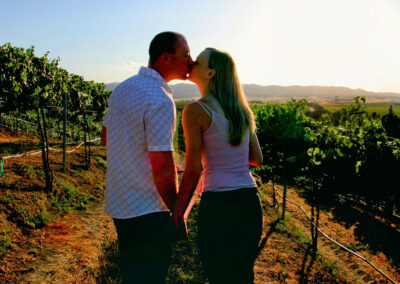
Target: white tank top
{"points": [[225, 167]]}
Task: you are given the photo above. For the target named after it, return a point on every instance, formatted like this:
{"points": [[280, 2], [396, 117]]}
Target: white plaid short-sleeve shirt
{"points": [[140, 118]]}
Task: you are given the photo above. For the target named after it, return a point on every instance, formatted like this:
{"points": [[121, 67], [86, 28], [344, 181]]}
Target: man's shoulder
{"points": [[143, 83], [129, 89], [131, 82]]}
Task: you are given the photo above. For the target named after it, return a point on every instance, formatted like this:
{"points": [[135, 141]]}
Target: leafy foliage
{"points": [[29, 83], [355, 158]]}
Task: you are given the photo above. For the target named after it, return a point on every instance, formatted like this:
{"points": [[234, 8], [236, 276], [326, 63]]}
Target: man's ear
{"points": [[165, 57]]}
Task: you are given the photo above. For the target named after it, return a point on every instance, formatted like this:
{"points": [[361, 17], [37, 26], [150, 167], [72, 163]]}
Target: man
{"points": [[141, 180]]}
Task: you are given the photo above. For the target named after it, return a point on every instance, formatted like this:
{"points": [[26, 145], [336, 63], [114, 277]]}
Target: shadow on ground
{"points": [[371, 233]]}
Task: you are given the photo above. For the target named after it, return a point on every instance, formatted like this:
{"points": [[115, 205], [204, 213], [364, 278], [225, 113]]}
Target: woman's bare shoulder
{"points": [[194, 112], [193, 108]]}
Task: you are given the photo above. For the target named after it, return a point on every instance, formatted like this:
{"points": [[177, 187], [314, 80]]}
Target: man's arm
{"points": [[159, 121], [164, 175], [104, 136]]}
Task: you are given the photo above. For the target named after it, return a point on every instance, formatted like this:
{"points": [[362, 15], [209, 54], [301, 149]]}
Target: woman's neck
{"points": [[203, 91], [208, 96], [203, 86], [212, 102]]}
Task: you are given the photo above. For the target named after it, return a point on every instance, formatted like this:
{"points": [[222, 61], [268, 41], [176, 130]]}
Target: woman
{"points": [[220, 138]]}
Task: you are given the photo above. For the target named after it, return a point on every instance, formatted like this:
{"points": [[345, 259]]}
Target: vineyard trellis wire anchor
{"points": [[333, 241]]}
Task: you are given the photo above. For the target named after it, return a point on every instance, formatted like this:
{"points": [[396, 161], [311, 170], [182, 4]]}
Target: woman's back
{"points": [[225, 167]]}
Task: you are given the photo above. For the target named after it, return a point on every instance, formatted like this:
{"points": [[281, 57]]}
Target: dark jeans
{"points": [[230, 228], [145, 247]]}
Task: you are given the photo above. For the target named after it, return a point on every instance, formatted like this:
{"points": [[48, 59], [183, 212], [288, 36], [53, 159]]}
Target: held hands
{"points": [[179, 169], [180, 227]]}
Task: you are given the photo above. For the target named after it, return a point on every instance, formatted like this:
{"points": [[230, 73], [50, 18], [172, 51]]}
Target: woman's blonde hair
{"points": [[226, 88]]}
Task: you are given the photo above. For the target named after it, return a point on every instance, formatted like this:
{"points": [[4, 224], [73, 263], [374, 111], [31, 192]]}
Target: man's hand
{"points": [[180, 227], [104, 136]]}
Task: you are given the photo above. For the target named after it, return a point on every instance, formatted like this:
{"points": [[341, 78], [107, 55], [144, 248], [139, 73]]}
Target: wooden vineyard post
{"points": [[65, 134]]}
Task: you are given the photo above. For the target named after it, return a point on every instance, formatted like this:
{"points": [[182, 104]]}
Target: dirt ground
{"points": [[287, 257], [72, 248]]}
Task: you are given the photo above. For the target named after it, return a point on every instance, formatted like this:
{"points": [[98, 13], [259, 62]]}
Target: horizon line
{"points": [[275, 85]]}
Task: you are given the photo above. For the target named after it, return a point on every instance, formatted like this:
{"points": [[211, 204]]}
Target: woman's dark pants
{"points": [[230, 228]]}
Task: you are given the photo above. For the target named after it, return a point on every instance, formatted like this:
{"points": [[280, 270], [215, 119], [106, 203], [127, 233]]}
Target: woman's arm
{"points": [[255, 154], [191, 122]]}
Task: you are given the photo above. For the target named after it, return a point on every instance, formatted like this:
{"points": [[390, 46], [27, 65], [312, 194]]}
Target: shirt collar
{"points": [[150, 72]]}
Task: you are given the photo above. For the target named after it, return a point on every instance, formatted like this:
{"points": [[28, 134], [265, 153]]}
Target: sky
{"points": [[351, 43]]}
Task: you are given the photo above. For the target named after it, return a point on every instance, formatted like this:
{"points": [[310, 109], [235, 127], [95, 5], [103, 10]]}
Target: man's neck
{"points": [[160, 71]]}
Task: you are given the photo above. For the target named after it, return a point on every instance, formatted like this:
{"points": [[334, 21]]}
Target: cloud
{"points": [[115, 72], [130, 67]]}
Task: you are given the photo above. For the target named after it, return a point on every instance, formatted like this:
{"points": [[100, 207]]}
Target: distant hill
{"points": [[111, 86], [187, 91]]}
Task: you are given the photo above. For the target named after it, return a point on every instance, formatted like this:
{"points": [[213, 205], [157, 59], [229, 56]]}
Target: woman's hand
{"points": [[179, 169], [180, 227], [255, 154]]}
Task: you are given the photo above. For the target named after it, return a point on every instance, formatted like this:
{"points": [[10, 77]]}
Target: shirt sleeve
{"points": [[160, 126]]}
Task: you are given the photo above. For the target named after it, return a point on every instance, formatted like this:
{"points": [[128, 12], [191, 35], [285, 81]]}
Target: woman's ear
{"points": [[211, 74]]}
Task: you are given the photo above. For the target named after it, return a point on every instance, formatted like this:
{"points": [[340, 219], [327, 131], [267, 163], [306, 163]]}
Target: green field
{"points": [[379, 108]]}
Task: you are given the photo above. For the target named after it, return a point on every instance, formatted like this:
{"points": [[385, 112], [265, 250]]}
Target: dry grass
{"points": [[72, 248]]}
